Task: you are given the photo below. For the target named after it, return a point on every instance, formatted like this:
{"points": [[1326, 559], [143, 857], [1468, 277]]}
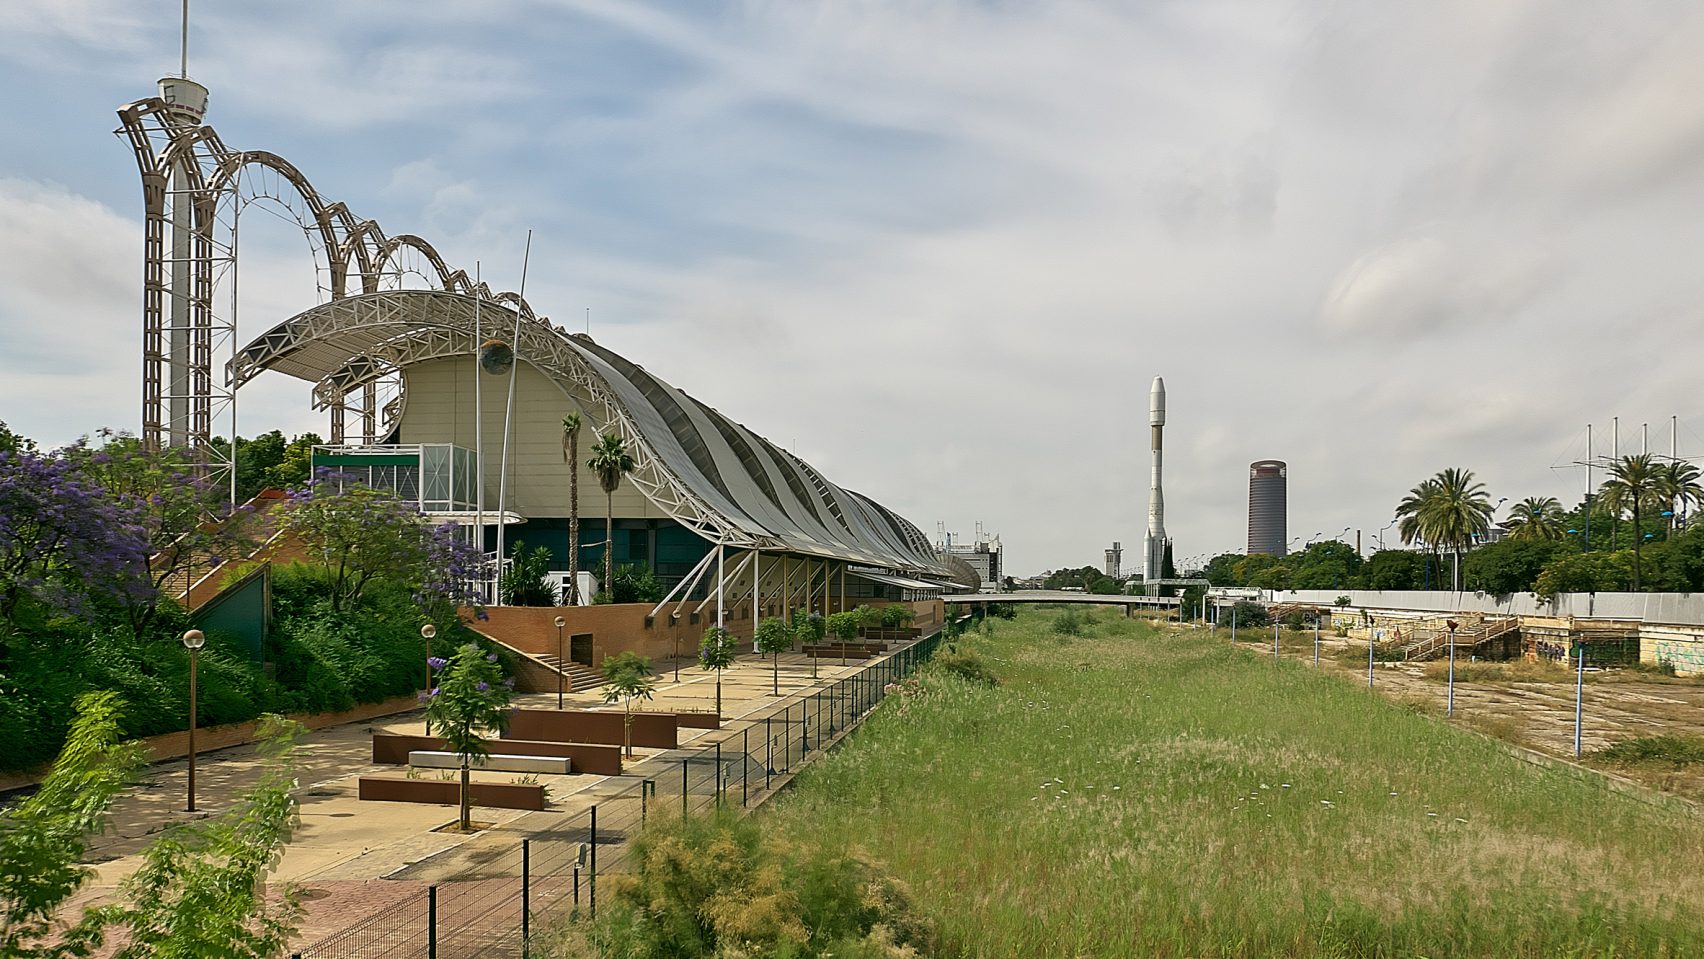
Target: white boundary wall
{"points": [[1678, 609]]}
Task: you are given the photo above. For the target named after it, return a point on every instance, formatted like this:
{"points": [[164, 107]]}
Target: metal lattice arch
{"points": [[706, 472], [195, 190]]}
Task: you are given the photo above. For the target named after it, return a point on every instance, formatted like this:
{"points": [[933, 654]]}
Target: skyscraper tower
{"points": [[1267, 505], [1154, 541]]}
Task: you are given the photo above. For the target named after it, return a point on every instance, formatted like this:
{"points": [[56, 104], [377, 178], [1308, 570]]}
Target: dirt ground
{"points": [[1536, 714]]}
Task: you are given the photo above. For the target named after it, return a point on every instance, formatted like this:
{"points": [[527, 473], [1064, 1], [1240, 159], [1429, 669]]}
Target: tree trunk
{"points": [[466, 798], [1638, 540], [609, 544], [718, 691], [627, 728], [776, 661], [574, 518]]}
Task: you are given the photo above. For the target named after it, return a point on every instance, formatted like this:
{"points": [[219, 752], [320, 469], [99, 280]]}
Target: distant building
{"points": [[1114, 559], [983, 553], [1268, 499]]}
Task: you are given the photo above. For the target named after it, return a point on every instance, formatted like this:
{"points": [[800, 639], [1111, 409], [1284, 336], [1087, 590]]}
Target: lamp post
{"points": [[1449, 702], [561, 660], [1579, 699], [427, 632], [192, 641], [1316, 640], [1368, 616], [1382, 532], [674, 621]]}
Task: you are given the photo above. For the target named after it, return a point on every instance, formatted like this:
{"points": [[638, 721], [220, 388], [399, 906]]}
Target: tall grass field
{"points": [[1133, 791]]}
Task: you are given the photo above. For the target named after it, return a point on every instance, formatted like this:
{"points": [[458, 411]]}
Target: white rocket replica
{"points": [[1154, 541]]}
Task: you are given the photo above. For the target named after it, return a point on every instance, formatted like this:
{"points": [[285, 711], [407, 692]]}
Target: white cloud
{"points": [[958, 239]]}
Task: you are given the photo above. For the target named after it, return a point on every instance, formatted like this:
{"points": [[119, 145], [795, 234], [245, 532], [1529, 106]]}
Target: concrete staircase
{"points": [[1434, 641], [579, 677]]}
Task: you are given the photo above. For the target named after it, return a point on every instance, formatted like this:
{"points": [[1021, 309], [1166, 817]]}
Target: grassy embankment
{"points": [[1132, 793]]}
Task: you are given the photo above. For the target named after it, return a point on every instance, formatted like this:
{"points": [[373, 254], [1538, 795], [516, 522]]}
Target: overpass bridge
{"points": [[1167, 603]]}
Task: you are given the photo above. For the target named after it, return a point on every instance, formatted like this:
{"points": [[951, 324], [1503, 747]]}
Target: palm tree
{"points": [[1633, 484], [1408, 514], [1446, 511], [1537, 517], [571, 456], [1677, 484], [611, 461]]}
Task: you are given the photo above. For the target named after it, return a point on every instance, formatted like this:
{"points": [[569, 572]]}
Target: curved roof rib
{"points": [[709, 473]]}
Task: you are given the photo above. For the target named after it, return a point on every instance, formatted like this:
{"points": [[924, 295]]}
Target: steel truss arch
{"points": [[365, 336]]}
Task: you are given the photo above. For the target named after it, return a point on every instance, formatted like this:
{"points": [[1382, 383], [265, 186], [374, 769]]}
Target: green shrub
{"points": [[526, 582], [966, 665], [635, 583], [1250, 613], [1071, 623], [720, 886], [1670, 749]]}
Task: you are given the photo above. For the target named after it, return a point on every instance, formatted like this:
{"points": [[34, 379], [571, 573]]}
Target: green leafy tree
{"points": [[1594, 572], [897, 616], [627, 676], [201, 893], [1221, 570], [44, 838], [772, 638], [1327, 565], [1633, 486], [1394, 569], [571, 456], [716, 651], [526, 582], [611, 461], [1537, 517], [1511, 566], [470, 701]]}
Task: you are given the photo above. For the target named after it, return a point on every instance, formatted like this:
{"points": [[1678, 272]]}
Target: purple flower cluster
{"points": [[436, 662], [64, 540]]}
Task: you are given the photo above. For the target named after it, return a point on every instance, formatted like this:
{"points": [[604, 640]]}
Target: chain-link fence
{"points": [[495, 904]]}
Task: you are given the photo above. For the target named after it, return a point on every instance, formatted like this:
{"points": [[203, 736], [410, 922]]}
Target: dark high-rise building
{"points": [[1268, 497]]}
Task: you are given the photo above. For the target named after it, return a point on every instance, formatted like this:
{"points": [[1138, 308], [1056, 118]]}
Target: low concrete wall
{"points": [[444, 792], [1679, 646], [591, 758], [651, 730], [1671, 608]]}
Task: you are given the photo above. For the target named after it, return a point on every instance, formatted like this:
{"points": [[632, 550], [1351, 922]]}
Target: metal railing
{"points": [[492, 909]]}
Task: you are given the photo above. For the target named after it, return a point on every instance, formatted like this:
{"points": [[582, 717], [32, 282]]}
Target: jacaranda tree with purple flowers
{"points": [[470, 700], [63, 541], [192, 528], [359, 534]]}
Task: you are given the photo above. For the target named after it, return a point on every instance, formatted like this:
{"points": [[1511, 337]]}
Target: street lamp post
{"points": [[427, 632], [1368, 616], [1449, 702], [192, 641], [561, 660]]}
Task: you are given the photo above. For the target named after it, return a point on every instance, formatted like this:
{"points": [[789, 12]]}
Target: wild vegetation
{"points": [[1180, 797], [725, 887]]}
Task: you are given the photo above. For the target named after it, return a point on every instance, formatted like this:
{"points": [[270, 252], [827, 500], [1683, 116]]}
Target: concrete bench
{"points": [[496, 762]]}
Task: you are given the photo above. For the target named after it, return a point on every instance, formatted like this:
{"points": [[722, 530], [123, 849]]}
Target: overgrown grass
{"points": [[1664, 750], [1166, 795]]}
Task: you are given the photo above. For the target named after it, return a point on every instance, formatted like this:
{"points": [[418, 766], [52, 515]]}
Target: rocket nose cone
{"points": [[1157, 402]]}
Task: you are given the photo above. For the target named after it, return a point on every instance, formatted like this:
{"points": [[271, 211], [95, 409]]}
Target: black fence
{"points": [[494, 906]]}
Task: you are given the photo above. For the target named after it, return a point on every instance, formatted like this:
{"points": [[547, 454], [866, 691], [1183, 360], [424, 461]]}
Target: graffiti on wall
{"points": [[1687, 656]]}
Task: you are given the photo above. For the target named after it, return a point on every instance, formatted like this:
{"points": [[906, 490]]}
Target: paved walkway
{"points": [[351, 859]]}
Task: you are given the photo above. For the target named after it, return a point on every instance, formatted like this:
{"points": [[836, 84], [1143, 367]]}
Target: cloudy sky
{"points": [[941, 249]]}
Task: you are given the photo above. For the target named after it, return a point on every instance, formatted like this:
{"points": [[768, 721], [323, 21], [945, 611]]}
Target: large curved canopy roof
{"points": [[708, 472]]}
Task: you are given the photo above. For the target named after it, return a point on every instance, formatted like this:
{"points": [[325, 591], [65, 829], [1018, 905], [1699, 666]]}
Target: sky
{"points": [[941, 249]]}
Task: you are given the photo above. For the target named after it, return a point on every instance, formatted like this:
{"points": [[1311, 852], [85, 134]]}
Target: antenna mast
{"points": [[183, 44]]}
